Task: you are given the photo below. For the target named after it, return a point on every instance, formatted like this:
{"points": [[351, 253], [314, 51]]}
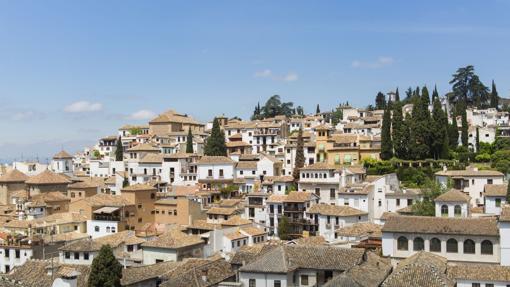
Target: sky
{"points": [[74, 71]]}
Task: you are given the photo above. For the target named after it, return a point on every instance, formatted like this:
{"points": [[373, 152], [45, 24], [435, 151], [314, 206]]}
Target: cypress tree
{"points": [[453, 132], [119, 151], [438, 130], [318, 110], [105, 270], [386, 143], [216, 142], [435, 94], [508, 192], [477, 140], [380, 101], [189, 142], [494, 98], [406, 137], [464, 129], [420, 129], [398, 132], [397, 96], [299, 161]]}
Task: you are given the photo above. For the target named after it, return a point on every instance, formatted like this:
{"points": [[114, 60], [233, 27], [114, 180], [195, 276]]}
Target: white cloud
{"points": [[83, 106], [289, 77], [379, 63], [263, 74], [142, 115]]}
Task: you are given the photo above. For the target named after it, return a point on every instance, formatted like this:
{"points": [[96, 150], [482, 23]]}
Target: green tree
{"points": [[426, 207], [380, 101], [336, 116], [453, 132], [508, 192], [439, 130], [386, 143], [125, 182], [215, 145], [299, 161], [119, 151], [283, 228], [318, 110], [477, 140], [494, 97], [420, 127], [106, 270], [397, 96], [399, 132], [460, 84], [464, 128], [189, 142]]}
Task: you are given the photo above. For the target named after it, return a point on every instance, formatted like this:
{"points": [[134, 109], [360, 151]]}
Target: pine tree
{"points": [[380, 101], [105, 270], [494, 98], [299, 161], [318, 110], [119, 151], [386, 143], [189, 142], [216, 142], [453, 132]]}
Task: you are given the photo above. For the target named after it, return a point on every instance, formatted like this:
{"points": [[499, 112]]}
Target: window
{"points": [[444, 210], [475, 284], [318, 191], [402, 243], [457, 210], [489, 181], [221, 172], [332, 193], [452, 246], [251, 283], [304, 280], [487, 247], [398, 201], [498, 202], [209, 172], [76, 255], [277, 283], [469, 246], [17, 253], [96, 228], [435, 245], [418, 244], [86, 255], [67, 255], [489, 285]]}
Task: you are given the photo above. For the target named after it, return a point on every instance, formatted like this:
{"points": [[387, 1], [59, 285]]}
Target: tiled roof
{"points": [[469, 172], [138, 187], [143, 147], [204, 225], [319, 166], [310, 241], [453, 195], [249, 253], [495, 189], [234, 144], [276, 198], [247, 164], [273, 179], [86, 183], [441, 225], [253, 231], [335, 210], [185, 190], [479, 272], [368, 274], [192, 270], [222, 210], [236, 235], [505, 214], [62, 155], [104, 199], [152, 158], [360, 229], [298, 196], [47, 178], [287, 258], [173, 239], [138, 274], [34, 273], [171, 116], [422, 269], [236, 220], [13, 176], [215, 160]]}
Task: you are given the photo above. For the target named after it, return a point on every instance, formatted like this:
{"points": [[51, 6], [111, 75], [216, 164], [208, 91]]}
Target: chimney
{"points": [[204, 275]]}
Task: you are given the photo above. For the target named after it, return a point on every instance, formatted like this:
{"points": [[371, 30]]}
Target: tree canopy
{"points": [[106, 270], [215, 145], [273, 107]]}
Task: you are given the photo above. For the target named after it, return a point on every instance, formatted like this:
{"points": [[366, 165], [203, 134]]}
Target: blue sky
{"points": [[72, 71]]}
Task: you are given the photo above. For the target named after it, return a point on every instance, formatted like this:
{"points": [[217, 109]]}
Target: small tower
{"points": [[453, 203], [62, 162]]}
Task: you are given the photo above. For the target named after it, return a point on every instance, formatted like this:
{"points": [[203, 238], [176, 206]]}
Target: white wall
{"points": [[24, 255], [263, 279], [105, 228]]}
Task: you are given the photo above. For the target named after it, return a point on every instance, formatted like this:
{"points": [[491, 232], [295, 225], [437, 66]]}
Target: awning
{"points": [[106, 209]]}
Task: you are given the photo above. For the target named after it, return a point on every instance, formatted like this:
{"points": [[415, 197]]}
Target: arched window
{"points": [[452, 246], [402, 243], [444, 210], [487, 247], [469, 246], [418, 244], [457, 211], [435, 245]]}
